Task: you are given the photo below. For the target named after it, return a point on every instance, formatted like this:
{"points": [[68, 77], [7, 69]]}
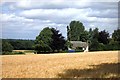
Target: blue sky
{"points": [[24, 19]]}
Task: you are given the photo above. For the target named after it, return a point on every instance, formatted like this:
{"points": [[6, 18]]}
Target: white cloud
{"points": [[27, 18], [13, 17], [61, 16], [66, 15], [104, 13], [60, 4], [45, 4], [19, 27]]}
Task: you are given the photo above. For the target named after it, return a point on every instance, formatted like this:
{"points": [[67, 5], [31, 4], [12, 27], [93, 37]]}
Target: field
{"points": [[102, 64]]}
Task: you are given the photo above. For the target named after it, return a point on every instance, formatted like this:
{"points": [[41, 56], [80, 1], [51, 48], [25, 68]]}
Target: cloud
{"points": [[61, 4], [54, 15], [66, 15], [104, 13], [20, 27], [13, 17], [54, 4], [25, 19]]}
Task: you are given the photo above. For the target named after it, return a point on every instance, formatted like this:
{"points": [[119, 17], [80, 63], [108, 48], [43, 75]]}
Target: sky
{"points": [[24, 19]]}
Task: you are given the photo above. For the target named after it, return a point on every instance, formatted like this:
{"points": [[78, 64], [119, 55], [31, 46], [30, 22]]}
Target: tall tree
{"points": [[93, 39], [58, 40], [90, 34], [76, 31], [95, 34], [68, 33], [115, 42], [44, 40], [49, 40], [116, 35], [103, 37]]}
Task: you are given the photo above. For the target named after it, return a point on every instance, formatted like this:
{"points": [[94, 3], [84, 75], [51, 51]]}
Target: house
{"points": [[84, 45]]}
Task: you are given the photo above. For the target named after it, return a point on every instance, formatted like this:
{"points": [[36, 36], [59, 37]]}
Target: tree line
{"points": [[97, 40], [16, 44], [51, 40]]}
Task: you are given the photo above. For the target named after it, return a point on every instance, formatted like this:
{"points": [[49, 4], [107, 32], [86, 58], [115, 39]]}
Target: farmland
{"points": [[101, 64]]}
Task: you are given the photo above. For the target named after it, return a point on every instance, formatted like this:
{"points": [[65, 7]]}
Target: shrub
{"points": [[101, 47], [7, 53], [18, 53], [6, 46], [12, 53], [79, 49], [113, 45]]}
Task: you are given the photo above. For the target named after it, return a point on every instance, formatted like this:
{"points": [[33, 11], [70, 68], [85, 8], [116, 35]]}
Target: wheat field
{"points": [[102, 64]]}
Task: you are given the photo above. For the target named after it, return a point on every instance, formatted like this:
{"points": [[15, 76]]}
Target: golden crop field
{"points": [[102, 64]]}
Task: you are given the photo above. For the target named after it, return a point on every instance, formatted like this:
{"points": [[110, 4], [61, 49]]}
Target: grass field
{"points": [[102, 64]]}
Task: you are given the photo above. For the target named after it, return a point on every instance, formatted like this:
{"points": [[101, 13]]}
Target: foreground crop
{"points": [[64, 65]]}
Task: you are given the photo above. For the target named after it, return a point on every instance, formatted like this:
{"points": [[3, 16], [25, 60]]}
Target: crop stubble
{"points": [[67, 65]]}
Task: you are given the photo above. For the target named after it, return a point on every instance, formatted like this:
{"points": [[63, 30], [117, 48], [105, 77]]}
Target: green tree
{"points": [[93, 39], [95, 34], [84, 36], [49, 40], [76, 31], [44, 40], [116, 35], [58, 42], [6, 47], [20, 44], [103, 37], [115, 41], [42, 47], [113, 45], [68, 33], [90, 35]]}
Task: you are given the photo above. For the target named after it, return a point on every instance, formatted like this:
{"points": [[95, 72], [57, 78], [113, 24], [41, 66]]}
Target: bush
{"points": [[6, 46], [79, 49], [12, 53], [29, 51], [113, 45], [7, 53], [101, 47], [97, 47], [42, 48], [18, 53], [94, 45]]}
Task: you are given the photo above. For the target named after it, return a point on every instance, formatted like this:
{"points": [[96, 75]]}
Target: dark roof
{"points": [[79, 44]]}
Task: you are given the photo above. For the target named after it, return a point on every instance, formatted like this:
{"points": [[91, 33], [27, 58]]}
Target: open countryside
{"points": [[103, 64], [60, 39]]}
